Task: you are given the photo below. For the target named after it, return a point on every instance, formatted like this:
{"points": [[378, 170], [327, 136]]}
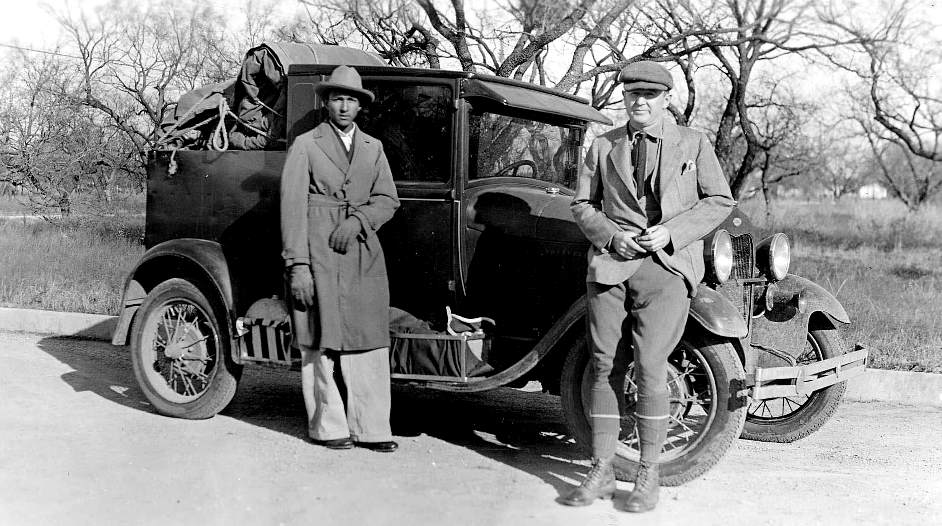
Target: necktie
{"points": [[639, 158]]}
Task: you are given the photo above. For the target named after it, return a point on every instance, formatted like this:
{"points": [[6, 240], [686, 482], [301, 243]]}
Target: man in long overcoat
{"points": [[646, 195], [336, 191]]}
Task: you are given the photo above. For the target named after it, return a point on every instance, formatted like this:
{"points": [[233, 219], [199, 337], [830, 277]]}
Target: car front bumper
{"points": [[781, 382]]}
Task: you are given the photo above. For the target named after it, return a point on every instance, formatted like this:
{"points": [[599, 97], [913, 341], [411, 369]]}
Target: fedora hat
{"points": [[345, 78]]}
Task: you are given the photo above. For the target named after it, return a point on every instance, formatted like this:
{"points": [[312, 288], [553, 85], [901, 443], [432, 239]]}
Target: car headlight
{"points": [[721, 256], [773, 256]]}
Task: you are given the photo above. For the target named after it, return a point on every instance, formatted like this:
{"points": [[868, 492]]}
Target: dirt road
{"points": [[80, 445]]}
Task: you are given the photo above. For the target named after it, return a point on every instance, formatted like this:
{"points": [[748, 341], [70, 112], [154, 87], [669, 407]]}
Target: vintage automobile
{"points": [[485, 168]]}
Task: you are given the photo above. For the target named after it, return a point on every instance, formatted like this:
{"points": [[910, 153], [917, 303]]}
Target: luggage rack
{"points": [[266, 341], [446, 353]]}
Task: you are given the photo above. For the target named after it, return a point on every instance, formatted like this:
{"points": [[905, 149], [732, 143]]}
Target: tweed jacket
{"points": [[694, 199], [320, 188]]}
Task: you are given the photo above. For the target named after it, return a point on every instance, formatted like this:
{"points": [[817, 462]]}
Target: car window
{"points": [[414, 123], [502, 145]]}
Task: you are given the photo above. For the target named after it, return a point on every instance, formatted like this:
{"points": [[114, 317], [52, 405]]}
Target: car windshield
{"points": [[502, 145]]}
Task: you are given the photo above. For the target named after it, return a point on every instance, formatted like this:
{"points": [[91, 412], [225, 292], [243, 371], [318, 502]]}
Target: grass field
{"points": [[78, 265], [884, 265]]}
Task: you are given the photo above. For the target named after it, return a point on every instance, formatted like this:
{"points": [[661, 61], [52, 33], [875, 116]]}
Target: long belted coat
{"points": [[320, 188], [694, 199]]}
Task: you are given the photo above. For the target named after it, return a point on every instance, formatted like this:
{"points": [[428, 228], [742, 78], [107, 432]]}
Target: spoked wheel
{"points": [[179, 354], [705, 415], [787, 419], [690, 409]]}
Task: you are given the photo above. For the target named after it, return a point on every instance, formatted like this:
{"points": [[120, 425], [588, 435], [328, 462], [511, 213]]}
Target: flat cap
{"points": [[645, 75]]}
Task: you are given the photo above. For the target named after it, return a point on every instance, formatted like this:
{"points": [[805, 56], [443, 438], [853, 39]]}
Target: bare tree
{"points": [[137, 59], [742, 37], [897, 105], [53, 148], [911, 178], [840, 165], [778, 121], [900, 68]]}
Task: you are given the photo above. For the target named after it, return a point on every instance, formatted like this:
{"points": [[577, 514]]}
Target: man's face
{"points": [[646, 106], [342, 108]]}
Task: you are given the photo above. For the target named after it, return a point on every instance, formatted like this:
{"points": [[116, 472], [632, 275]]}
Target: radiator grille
{"points": [[744, 267], [744, 264]]}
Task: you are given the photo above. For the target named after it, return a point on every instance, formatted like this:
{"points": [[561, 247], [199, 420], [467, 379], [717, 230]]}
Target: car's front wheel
{"points": [[706, 413], [179, 354]]}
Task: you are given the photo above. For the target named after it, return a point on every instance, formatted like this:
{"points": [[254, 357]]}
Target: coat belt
{"points": [[326, 201]]}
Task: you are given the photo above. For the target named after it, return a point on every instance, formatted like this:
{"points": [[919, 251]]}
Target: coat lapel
{"points": [[620, 156], [329, 143], [362, 144], [671, 157]]}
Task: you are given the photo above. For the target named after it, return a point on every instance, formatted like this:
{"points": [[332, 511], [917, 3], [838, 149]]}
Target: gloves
{"points": [[344, 234], [302, 285]]}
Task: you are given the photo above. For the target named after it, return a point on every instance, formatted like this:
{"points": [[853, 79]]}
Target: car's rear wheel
{"points": [[704, 379], [788, 419], [179, 354]]}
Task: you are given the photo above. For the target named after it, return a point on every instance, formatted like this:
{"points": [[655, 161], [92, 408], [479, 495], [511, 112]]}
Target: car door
{"points": [[522, 257], [415, 120]]}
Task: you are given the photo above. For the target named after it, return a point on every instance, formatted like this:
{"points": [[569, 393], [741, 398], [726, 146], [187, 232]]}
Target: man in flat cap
{"points": [[336, 191], [646, 194]]}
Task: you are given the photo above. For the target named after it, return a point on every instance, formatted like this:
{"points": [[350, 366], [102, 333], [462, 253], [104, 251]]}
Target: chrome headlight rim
{"points": [[721, 252], [773, 255]]}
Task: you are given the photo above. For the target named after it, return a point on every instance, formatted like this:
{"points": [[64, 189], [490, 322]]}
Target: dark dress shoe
{"points": [[383, 447], [336, 443], [599, 483], [647, 487]]}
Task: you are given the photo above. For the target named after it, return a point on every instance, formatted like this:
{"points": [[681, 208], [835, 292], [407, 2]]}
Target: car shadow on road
{"points": [[523, 430], [99, 368]]}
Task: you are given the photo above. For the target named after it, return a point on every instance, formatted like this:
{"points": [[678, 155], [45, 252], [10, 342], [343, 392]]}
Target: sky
{"points": [[28, 22]]}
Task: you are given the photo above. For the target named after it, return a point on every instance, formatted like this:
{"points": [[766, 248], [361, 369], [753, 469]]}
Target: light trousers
{"points": [[351, 394]]}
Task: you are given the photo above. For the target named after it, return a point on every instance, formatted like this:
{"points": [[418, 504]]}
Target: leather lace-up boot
{"points": [[647, 488], [598, 483]]}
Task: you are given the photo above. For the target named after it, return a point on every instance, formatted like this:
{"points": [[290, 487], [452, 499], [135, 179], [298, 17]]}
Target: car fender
{"points": [[714, 312], [198, 260], [794, 301]]}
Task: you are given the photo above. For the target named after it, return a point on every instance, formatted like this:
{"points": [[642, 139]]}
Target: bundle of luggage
{"points": [[247, 113]]}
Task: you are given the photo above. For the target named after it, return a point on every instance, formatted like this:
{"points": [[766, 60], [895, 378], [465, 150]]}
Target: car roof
{"points": [[501, 90]]}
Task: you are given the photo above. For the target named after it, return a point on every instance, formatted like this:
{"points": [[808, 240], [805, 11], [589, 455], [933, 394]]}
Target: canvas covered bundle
{"points": [[247, 113]]}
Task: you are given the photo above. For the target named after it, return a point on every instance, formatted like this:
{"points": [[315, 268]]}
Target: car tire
{"points": [[788, 419], [180, 354], [719, 372]]}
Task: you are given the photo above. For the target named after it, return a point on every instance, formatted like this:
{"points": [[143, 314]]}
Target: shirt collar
{"points": [[654, 130], [346, 135]]}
